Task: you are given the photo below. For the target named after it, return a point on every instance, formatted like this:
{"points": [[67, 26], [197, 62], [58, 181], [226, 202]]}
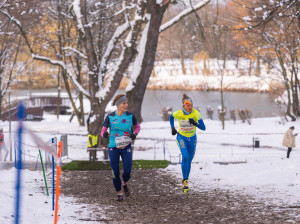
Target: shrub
{"points": [[233, 115], [209, 112], [245, 115], [166, 112]]}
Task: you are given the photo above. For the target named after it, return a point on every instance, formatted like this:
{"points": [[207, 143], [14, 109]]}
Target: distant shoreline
{"points": [[173, 87], [155, 84], [194, 83]]}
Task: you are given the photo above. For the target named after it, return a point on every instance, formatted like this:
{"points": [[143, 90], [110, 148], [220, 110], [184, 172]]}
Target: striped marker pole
{"points": [[53, 183], [57, 188], [44, 172], [21, 114]]}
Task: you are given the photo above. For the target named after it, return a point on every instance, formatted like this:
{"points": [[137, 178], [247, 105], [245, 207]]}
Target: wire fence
{"points": [[160, 150], [31, 153]]}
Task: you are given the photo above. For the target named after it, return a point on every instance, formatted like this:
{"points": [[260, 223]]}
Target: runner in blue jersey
{"points": [[121, 124], [188, 119]]}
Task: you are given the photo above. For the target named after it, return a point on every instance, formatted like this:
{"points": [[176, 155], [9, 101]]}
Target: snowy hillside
{"points": [[205, 75]]}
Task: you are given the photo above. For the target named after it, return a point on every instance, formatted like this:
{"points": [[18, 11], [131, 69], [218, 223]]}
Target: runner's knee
{"points": [[126, 177], [115, 174]]}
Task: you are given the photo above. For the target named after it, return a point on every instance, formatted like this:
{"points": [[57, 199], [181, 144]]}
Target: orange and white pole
{"points": [[57, 188]]}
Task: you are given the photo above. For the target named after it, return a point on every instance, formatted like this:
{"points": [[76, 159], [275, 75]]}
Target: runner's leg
{"points": [[191, 144], [6, 152], [127, 166], [127, 162], [0, 152], [181, 141], [114, 159]]}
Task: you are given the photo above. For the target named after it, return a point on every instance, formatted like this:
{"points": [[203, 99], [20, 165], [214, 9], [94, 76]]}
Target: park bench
{"points": [[93, 152]]}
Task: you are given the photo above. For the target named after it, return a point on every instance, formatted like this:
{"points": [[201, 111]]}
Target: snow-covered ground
{"points": [[265, 174]]}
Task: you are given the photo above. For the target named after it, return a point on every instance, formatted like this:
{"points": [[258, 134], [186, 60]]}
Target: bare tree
{"points": [[219, 35], [144, 61], [263, 12], [278, 22], [131, 30], [10, 52]]}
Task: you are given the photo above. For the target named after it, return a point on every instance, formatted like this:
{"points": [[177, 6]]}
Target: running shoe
{"points": [[120, 197], [126, 190], [185, 186]]}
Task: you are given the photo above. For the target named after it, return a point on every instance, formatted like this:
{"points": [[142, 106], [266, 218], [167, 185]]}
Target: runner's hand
{"points": [[105, 134], [174, 131], [132, 136], [193, 122]]}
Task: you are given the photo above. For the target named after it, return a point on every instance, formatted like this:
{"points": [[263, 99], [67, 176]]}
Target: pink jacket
{"points": [[289, 139], [1, 139]]}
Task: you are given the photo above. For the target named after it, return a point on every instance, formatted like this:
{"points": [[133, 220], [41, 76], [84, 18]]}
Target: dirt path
{"points": [[158, 198]]}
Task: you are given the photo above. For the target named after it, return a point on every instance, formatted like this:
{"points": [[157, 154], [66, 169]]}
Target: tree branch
{"points": [[183, 14], [137, 64], [77, 86]]}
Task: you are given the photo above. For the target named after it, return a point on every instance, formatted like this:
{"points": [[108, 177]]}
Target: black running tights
{"points": [[288, 152]]}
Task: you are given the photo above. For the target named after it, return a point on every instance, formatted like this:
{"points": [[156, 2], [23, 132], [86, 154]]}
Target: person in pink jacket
{"points": [[2, 145], [289, 140]]}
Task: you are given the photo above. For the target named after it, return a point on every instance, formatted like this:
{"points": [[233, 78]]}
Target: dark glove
{"points": [[105, 134], [132, 136], [174, 131], [193, 122]]}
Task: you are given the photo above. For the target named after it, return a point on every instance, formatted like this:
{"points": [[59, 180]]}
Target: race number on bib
{"points": [[123, 141], [186, 126]]}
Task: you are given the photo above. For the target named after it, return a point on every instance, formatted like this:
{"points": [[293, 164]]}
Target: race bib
{"points": [[186, 126], [122, 142]]}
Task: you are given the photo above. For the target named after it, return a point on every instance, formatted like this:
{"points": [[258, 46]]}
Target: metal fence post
{"points": [[164, 148]]}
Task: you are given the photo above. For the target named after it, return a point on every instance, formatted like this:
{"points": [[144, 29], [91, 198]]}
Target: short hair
{"points": [[292, 127]]}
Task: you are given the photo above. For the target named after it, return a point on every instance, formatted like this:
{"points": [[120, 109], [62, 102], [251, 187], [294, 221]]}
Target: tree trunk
{"points": [[65, 78], [58, 94], [80, 96], [81, 108], [0, 94], [135, 96], [87, 37], [295, 90], [182, 61], [297, 112], [98, 108], [250, 67], [257, 71], [222, 102], [298, 8], [237, 62], [287, 87], [222, 77], [0, 102]]}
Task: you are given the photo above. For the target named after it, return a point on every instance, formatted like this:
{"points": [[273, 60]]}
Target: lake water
{"points": [[261, 104]]}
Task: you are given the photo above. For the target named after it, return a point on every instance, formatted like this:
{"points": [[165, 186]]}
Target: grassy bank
{"points": [[104, 165]]}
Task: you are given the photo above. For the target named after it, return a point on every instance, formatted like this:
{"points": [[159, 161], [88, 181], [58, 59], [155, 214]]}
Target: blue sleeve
{"points": [[134, 120], [201, 125], [171, 120], [106, 122]]}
